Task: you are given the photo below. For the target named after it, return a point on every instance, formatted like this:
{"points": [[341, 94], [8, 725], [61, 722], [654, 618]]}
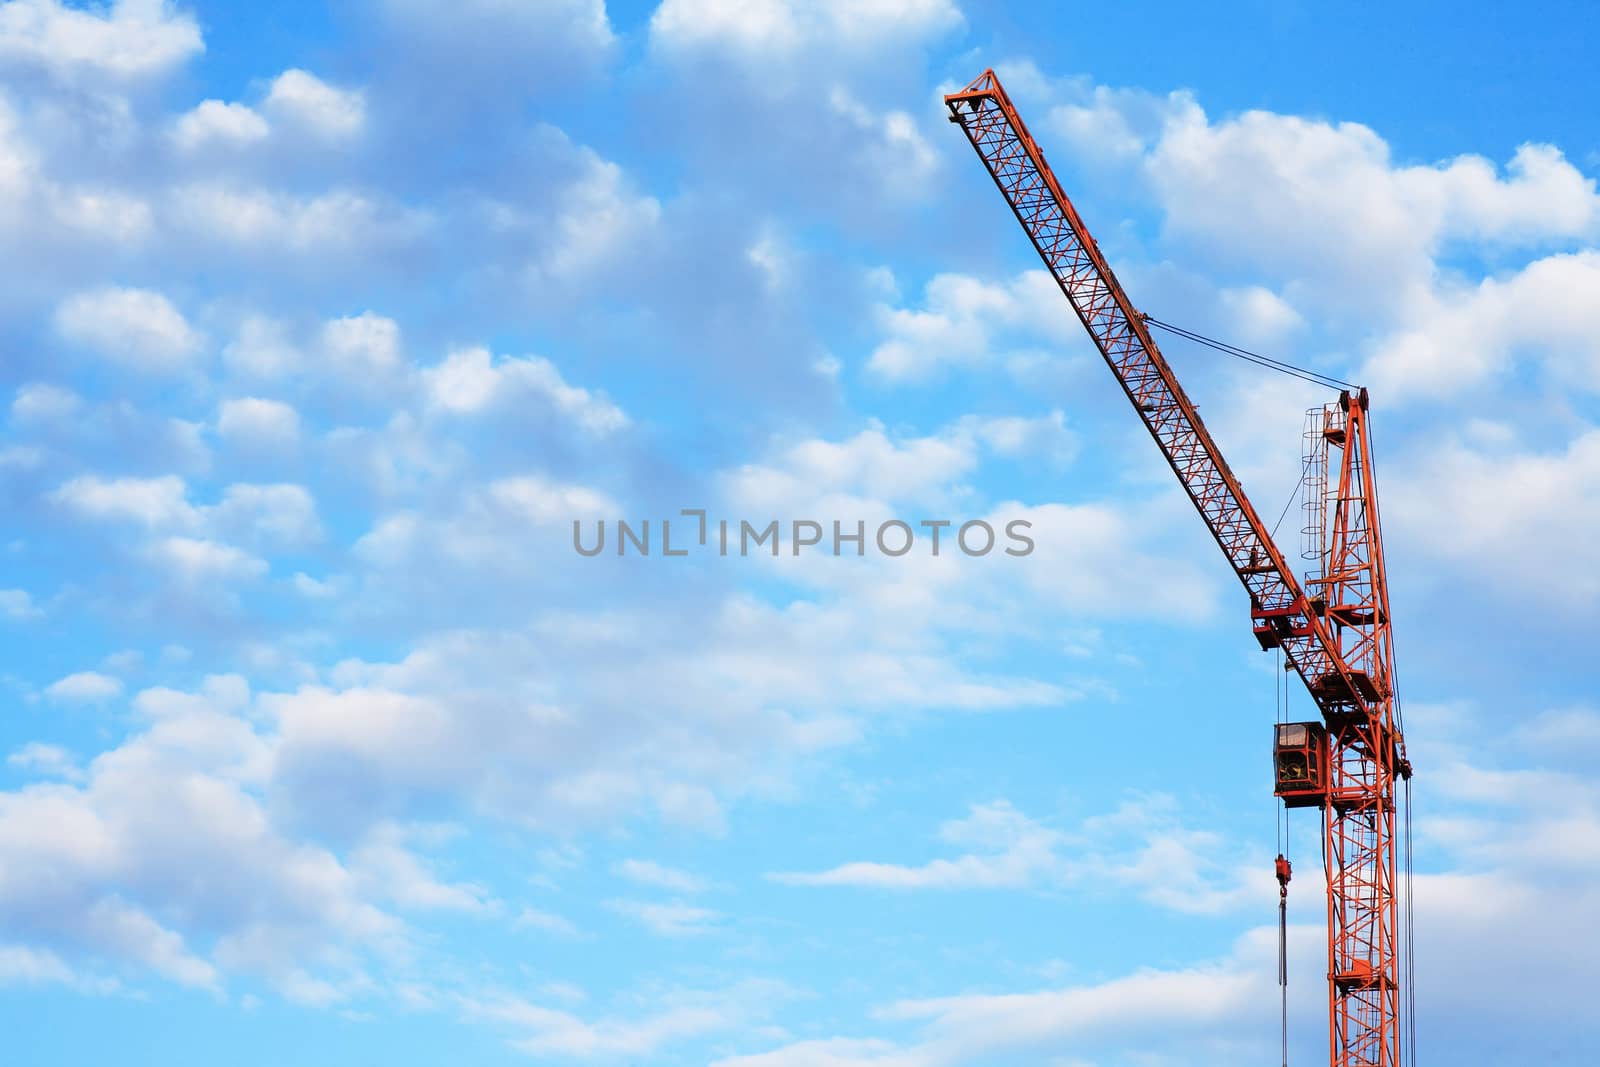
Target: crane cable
{"points": [[1283, 954], [1303, 373]]}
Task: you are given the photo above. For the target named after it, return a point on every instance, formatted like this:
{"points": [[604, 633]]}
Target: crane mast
{"points": [[1336, 637]]}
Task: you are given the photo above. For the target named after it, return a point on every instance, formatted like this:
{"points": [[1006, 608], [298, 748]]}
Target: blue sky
{"points": [[320, 327]]}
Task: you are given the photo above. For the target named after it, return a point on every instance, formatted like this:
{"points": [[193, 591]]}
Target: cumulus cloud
{"points": [[17, 604], [596, 217], [138, 328], [85, 687], [200, 561], [258, 422], [966, 322], [1461, 336], [216, 121], [505, 40], [300, 98], [41, 401], [162, 859], [127, 39], [1492, 514], [770, 29], [50, 761], [335, 220], [261, 349], [277, 516], [470, 381], [152, 502], [363, 346]]}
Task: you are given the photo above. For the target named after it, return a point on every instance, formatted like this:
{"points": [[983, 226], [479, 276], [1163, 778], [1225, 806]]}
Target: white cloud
{"points": [[1140, 847], [336, 220], [1260, 188], [548, 922], [1176, 1015], [870, 464], [757, 30], [308, 586], [674, 919], [164, 860], [257, 422], [1565, 729], [1043, 437], [508, 39], [128, 39], [201, 561], [1099, 125], [136, 327], [1460, 336], [17, 604], [301, 98], [1541, 196], [470, 381], [362, 346], [20, 965], [101, 213], [41, 401], [85, 687], [1493, 515], [648, 872], [885, 142], [283, 516], [18, 161], [966, 322], [534, 499], [515, 723], [597, 217], [1262, 317], [551, 1032], [261, 349], [50, 761], [1016, 852], [388, 870], [215, 121], [153, 502]]}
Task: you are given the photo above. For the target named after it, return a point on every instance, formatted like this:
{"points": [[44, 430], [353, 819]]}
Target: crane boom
{"points": [[1336, 639]]}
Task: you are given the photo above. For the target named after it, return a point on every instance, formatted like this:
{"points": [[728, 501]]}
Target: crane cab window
{"points": [[1300, 764]]}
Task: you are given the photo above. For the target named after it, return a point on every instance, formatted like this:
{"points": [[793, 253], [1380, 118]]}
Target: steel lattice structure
{"points": [[1337, 638]]}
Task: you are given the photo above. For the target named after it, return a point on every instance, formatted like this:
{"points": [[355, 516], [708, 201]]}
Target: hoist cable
{"points": [[1303, 373], [1283, 968]]}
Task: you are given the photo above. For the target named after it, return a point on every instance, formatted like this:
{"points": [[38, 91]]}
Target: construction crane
{"points": [[1333, 630]]}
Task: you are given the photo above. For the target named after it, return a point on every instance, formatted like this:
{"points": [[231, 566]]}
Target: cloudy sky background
{"points": [[320, 744]]}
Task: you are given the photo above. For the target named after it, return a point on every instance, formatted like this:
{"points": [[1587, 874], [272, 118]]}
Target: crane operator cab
{"points": [[1300, 764]]}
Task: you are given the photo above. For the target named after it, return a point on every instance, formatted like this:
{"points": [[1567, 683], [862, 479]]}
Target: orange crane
{"points": [[1333, 630]]}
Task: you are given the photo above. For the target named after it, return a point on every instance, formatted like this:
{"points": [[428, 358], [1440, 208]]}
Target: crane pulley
{"points": [[1333, 629]]}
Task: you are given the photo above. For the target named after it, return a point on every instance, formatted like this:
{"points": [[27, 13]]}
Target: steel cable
{"points": [[1303, 373]]}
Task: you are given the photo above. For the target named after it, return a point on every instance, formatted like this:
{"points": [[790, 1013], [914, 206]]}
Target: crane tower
{"points": [[1333, 629]]}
